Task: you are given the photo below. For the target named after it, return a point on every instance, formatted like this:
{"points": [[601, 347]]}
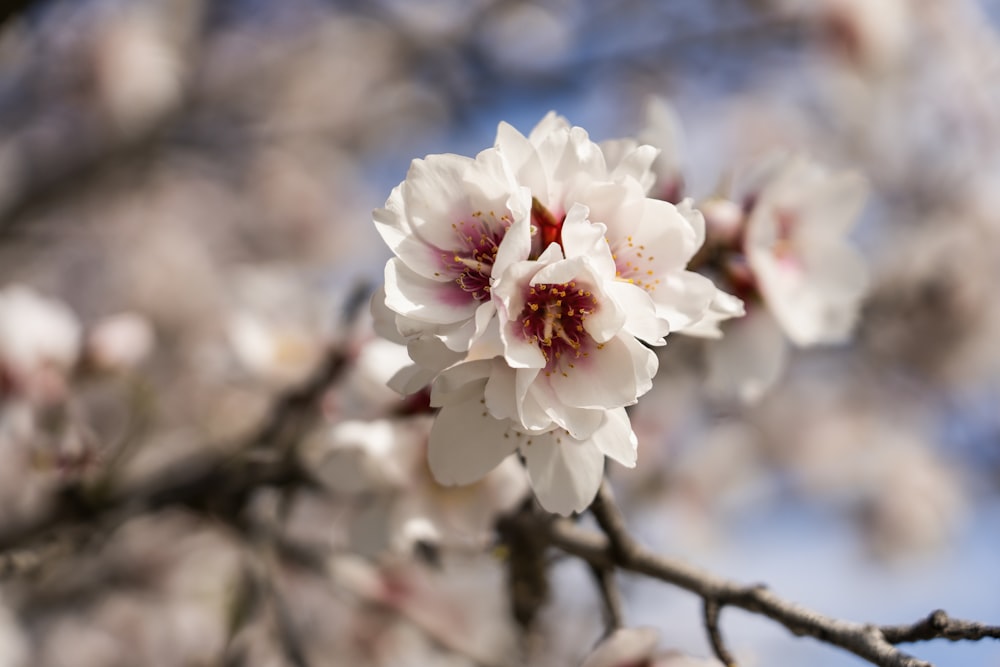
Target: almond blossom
{"points": [[528, 320], [445, 224], [811, 277], [791, 252]]}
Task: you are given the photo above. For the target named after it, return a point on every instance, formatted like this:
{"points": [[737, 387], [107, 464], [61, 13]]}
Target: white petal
{"points": [[436, 196], [749, 359], [457, 383], [605, 379], [416, 297], [564, 473], [642, 321], [616, 439], [384, 319], [395, 229], [583, 238], [410, 379], [466, 443]]}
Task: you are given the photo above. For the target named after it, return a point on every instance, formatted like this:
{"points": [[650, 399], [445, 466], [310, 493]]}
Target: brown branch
{"points": [[218, 484], [938, 625], [711, 610], [876, 644]]}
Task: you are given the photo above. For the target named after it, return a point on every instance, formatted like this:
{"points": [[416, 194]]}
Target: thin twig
{"points": [[938, 625], [711, 610], [870, 642]]}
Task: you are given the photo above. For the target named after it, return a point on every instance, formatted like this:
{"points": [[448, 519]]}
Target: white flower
{"points": [[528, 320], [445, 224], [811, 278], [39, 342], [568, 351], [565, 472], [120, 342]]}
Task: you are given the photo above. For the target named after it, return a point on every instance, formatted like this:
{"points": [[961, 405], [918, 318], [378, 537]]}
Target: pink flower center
{"points": [[547, 223], [553, 318], [472, 262]]}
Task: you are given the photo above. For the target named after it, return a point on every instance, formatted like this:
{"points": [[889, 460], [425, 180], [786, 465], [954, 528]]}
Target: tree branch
{"points": [[874, 643]]}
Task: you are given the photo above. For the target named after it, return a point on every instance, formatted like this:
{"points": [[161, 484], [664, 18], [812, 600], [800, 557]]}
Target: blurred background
{"points": [[186, 190]]}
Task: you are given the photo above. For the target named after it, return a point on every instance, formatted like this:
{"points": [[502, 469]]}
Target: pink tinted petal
{"points": [[605, 379], [466, 442], [565, 473], [435, 195], [414, 296], [391, 224]]}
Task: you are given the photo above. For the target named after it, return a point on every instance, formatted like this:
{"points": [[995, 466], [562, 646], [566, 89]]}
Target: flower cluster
{"points": [[528, 284], [784, 250]]}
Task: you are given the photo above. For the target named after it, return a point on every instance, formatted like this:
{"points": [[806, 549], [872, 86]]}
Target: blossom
{"points": [[39, 343], [445, 223], [811, 278], [785, 250], [527, 284]]}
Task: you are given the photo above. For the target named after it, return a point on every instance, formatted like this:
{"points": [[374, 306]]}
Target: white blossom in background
{"points": [[791, 253], [523, 283], [39, 343], [809, 274], [120, 342]]}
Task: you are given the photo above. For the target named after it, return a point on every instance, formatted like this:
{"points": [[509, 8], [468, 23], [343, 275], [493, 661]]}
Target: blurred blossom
{"points": [[196, 181], [139, 64], [120, 342], [873, 37], [528, 38], [13, 641], [39, 344]]}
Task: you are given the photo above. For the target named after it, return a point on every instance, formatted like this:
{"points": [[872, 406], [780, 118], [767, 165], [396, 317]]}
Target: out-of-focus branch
{"points": [[12, 8], [874, 643], [216, 484]]}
